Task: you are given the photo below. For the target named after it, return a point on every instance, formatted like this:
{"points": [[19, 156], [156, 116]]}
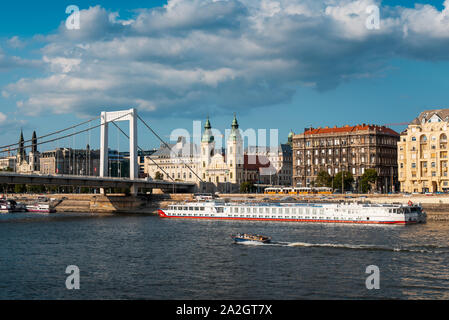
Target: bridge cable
{"points": [[51, 134], [124, 133], [166, 144], [69, 135]]}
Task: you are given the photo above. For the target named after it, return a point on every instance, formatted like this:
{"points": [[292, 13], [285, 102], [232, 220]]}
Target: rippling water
{"points": [[145, 257]]}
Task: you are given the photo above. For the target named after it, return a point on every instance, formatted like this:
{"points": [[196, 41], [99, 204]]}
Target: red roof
{"points": [[254, 162], [348, 128]]}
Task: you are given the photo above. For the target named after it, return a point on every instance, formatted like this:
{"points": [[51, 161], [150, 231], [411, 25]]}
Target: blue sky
{"points": [[284, 64]]}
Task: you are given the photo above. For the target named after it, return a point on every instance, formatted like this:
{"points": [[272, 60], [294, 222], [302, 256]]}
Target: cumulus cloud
{"points": [[8, 62], [190, 56]]}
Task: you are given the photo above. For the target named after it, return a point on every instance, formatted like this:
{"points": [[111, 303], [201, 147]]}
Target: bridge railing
{"points": [[94, 178]]}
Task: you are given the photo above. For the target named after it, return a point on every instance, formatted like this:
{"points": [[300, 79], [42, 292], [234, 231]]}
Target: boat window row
{"points": [[294, 217], [186, 208], [277, 210], [194, 214]]}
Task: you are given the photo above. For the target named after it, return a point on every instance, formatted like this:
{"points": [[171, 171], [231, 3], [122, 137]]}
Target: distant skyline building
{"points": [[280, 163], [8, 163], [83, 162]]}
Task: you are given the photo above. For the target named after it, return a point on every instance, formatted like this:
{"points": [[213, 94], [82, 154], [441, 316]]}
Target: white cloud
{"points": [[15, 42], [8, 62], [61, 64], [195, 55]]}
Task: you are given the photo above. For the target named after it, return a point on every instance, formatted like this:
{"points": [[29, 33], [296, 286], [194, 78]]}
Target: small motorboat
{"points": [[246, 237]]}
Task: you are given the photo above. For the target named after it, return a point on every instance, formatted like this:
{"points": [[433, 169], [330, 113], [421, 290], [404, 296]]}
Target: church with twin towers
{"points": [[211, 167]]}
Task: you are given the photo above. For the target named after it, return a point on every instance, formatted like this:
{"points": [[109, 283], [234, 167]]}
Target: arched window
{"points": [[423, 139], [443, 137]]}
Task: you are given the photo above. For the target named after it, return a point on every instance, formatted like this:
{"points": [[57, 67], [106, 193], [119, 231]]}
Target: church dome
{"points": [[235, 133], [207, 135]]}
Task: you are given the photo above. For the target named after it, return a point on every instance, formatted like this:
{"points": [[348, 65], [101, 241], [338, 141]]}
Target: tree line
{"points": [[367, 181]]}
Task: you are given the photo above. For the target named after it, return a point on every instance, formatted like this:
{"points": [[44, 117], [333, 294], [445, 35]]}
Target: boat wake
{"points": [[346, 246], [361, 247], [252, 243]]}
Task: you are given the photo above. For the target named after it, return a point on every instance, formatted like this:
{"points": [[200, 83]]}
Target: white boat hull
{"points": [[311, 213]]}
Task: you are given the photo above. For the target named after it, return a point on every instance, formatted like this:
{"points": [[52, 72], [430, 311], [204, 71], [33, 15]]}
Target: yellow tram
{"points": [[298, 190]]}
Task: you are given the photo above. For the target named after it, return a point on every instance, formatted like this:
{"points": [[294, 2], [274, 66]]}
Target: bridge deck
{"points": [[87, 181]]}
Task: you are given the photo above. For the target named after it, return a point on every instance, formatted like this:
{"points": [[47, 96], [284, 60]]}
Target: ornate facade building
{"points": [[349, 148], [423, 153], [8, 163], [211, 168]]}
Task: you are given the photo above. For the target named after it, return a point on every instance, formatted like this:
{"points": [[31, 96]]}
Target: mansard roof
{"points": [[426, 115], [349, 129]]}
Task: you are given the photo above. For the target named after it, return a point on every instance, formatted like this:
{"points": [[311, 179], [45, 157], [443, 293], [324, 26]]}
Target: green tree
{"points": [[323, 179], [85, 190], [348, 179], [20, 188], [158, 176], [246, 187], [368, 180], [35, 188]]}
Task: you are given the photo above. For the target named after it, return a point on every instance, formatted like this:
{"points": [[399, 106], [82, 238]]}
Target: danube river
{"points": [[145, 257]]}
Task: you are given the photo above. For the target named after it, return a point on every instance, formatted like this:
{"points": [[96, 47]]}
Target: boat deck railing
{"points": [[280, 204]]}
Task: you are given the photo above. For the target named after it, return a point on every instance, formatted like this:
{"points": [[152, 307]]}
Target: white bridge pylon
{"points": [[123, 115]]}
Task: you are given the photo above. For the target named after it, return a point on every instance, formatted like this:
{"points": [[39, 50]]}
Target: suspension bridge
{"points": [[102, 180]]}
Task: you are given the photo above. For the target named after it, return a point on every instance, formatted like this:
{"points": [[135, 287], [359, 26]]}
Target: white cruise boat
{"points": [[299, 212], [40, 208]]}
